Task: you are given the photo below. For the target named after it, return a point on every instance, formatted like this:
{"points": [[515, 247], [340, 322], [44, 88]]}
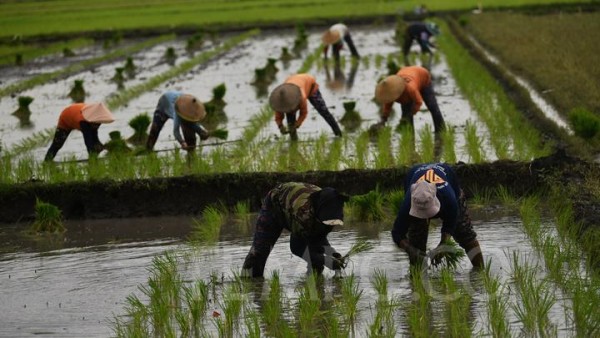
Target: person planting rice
{"points": [[433, 191], [410, 87], [86, 117], [333, 37], [186, 111], [422, 32], [291, 96], [310, 213]]}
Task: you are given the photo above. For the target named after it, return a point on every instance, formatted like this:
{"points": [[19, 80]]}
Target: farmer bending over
{"points": [[288, 98], [410, 87], [85, 117], [333, 37], [432, 191], [422, 32], [309, 213], [186, 111]]}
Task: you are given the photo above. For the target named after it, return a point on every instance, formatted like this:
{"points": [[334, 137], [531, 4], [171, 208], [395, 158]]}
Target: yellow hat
{"points": [[190, 108], [285, 98], [97, 113], [330, 37], [389, 89]]}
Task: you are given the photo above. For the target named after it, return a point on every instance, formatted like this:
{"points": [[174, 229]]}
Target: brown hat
{"points": [[97, 113], [389, 89], [330, 37], [424, 202], [189, 108], [285, 98]]}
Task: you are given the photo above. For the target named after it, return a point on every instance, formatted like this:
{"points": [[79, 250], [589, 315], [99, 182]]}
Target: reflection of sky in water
{"points": [[236, 70], [77, 291]]}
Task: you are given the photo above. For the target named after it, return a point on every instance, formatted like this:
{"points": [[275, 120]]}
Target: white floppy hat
{"points": [[424, 202]]}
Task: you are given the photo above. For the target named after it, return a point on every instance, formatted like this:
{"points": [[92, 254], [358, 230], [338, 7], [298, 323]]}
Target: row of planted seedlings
{"points": [[530, 298]]}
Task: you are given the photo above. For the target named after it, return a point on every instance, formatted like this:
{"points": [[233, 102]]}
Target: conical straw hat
{"points": [[190, 108], [330, 37], [389, 89], [97, 113], [285, 98]]}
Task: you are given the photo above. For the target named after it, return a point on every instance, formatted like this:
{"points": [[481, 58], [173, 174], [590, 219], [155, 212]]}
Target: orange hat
{"points": [[330, 37], [97, 113], [189, 108], [285, 98], [389, 89]]}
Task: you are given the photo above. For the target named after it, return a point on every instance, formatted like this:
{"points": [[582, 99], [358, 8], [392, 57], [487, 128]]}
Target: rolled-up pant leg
{"points": [[431, 103], [268, 229], [316, 100], [464, 233]]}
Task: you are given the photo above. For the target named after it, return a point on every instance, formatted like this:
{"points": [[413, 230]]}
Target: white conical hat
{"points": [[97, 113]]}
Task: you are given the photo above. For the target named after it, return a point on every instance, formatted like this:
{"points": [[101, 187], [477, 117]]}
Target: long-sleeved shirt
{"points": [[448, 193], [308, 86], [166, 104], [420, 31], [70, 118], [291, 201], [416, 78]]}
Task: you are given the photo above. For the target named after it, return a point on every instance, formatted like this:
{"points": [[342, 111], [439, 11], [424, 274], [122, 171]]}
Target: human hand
{"points": [[338, 261], [283, 130]]}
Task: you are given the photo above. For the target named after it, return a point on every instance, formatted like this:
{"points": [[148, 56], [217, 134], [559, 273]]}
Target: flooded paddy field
{"points": [[80, 286]]}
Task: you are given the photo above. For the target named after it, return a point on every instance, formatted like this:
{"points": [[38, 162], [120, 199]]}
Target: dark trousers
{"points": [[418, 231], [338, 46], [188, 129], [316, 100], [431, 103], [270, 223], [90, 137]]}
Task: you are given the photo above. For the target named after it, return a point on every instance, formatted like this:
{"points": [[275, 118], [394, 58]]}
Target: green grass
{"points": [[31, 51]]}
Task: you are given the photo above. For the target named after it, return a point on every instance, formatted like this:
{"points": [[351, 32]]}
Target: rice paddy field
{"points": [[179, 275]]}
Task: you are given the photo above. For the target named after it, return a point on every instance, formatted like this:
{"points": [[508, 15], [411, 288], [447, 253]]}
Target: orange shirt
{"points": [[71, 116], [308, 86], [417, 78]]}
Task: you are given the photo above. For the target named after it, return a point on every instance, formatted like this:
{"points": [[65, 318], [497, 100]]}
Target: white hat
{"points": [[424, 202]]}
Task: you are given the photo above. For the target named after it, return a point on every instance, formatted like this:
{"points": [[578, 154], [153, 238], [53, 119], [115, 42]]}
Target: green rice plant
{"points": [[221, 134], [334, 155], [197, 300], [481, 197], [170, 56], [116, 144], [23, 113], [379, 282], [585, 300], [218, 93], [308, 306], [18, 59], [48, 218], [285, 55], [394, 199], [406, 147], [361, 148], [137, 325], [360, 246], [252, 322], [379, 60], [392, 66], [506, 197], [497, 304], [118, 78], [320, 159], [418, 313], [427, 144], [130, 67], [351, 120], [457, 307], [301, 40], [351, 294], [473, 143], [140, 124], [368, 207], [447, 256], [585, 123], [233, 303], [194, 42], [383, 324], [207, 230], [272, 310], [77, 93], [384, 158], [241, 210], [531, 219]]}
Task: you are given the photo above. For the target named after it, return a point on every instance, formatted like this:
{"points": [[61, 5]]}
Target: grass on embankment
{"points": [[29, 52], [65, 16], [557, 52]]}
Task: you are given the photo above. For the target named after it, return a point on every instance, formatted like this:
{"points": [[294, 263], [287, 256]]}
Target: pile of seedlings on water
{"points": [[194, 42], [206, 230], [215, 108], [368, 207], [130, 67], [285, 57], [18, 59], [116, 144], [118, 78], [301, 40], [68, 52], [77, 93], [170, 56], [447, 255], [351, 120], [23, 113], [140, 124], [48, 218]]}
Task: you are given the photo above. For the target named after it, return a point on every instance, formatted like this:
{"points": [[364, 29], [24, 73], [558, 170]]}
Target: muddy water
{"points": [[236, 69], [77, 290]]}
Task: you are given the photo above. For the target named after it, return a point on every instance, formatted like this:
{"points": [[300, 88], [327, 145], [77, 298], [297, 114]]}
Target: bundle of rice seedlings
{"points": [[118, 77], [219, 133], [48, 218], [68, 52], [359, 246], [368, 207], [448, 255], [170, 56], [130, 67], [24, 102], [140, 124], [351, 119], [116, 144], [195, 42], [285, 54], [77, 93]]}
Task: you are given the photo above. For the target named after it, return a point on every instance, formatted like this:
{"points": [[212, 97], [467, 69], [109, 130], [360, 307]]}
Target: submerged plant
{"points": [[207, 230], [447, 255], [48, 218], [351, 119], [194, 42], [23, 113], [140, 124], [170, 56], [368, 207], [116, 144], [19, 59], [67, 52], [130, 67], [271, 69], [118, 78], [77, 93], [285, 55]]}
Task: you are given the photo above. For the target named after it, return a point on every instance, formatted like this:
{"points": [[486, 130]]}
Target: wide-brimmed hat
{"points": [[329, 206], [424, 202], [189, 108], [97, 113], [285, 98], [330, 37], [389, 89]]}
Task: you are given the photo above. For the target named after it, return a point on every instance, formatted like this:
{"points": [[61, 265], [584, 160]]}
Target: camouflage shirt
{"points": [[291, 202]]}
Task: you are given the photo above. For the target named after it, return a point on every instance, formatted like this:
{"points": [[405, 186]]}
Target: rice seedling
{"points": [[18, 59], [351, 120], [334, 155], [118, 78], [48, 218], [252, 322], [448, 140], [473, 143], [272, 311], [77, 93], [384, 158], [447, 256], [309, 304], [406, 147], [196, 300], [207, 230], [427, 144], [360, 246], [585, 123], [130, 67], [301, 40], [368, 207], [233, 303], [351, 294], [140, 124], [221, 134], [116, 144], [497, 304], [361, 149], [285, 55], [170, 56], [23, 109], [241, 211], [194, 42], [394, 199], [457, 307], [419, 311], [383, 324]]}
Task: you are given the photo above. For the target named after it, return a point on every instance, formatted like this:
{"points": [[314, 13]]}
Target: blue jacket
{"points": [[166, 104], [448, 192]]}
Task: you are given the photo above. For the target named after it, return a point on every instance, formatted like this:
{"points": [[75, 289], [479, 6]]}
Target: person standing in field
{"points": [[422, 32], [310, 213], [85, 117], [186, 111], [433, 191], [334, 37], [292, 96], [410, 87]]}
